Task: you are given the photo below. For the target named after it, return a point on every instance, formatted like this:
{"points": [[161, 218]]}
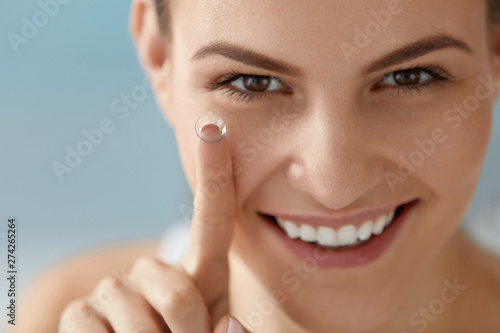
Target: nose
{"points": [[335, 161]]}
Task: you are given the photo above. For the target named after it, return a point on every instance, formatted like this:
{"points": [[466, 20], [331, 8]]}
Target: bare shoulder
{"points": [[495, 273], [45, 298], [488, 262], [491, 265], [492, 286], [482, 298]]}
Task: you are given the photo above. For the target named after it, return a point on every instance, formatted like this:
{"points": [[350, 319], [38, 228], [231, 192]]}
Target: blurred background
{"points": [[65, 79], [69, 72]]}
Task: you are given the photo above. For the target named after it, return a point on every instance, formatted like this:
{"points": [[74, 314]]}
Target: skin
{"points": [[335, 115]]}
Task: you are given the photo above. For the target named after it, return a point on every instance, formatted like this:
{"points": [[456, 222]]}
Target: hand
{"points": [[189, 296]]}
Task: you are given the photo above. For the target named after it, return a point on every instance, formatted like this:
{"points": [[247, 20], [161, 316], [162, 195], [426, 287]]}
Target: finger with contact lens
{"points": [[213, 216]]}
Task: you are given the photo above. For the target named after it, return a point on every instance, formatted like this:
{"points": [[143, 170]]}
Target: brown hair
{"points": [[494, 10], [163, 10]]}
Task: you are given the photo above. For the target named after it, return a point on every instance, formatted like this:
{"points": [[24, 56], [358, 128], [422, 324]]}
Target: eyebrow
{"points": [[417, 49], [408, 52], [247, 56]]}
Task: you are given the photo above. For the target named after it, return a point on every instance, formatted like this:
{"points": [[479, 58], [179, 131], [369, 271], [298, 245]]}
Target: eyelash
{"points": [[224, 83], [439, 76]]}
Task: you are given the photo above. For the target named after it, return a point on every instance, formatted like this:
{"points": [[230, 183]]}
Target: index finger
{"points": [[214, 202]]}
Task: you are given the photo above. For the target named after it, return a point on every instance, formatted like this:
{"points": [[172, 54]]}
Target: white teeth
{"points": [[378, 227], [365, 231], [291, 229], [389, 218], [307, 233], [346, 235], [327, 236]]}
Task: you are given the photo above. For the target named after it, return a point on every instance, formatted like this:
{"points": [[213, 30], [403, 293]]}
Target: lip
{"points": [[337, 220], [327, 258]]}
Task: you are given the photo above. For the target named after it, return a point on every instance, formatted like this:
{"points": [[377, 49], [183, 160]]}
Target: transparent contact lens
{"points": [[210, 128]]}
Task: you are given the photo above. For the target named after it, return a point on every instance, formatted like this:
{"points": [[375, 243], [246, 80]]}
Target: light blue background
{"points": [[60, 83], [63, 81]]}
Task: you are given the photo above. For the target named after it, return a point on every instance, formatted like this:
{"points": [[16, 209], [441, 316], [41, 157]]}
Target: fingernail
{"points": [[210, 128], [234, 326]]}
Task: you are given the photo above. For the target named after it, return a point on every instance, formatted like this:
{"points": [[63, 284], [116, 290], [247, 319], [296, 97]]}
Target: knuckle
{"points": [[143, 264], [175, 302], [77, 311], [72, 307], [106, 291], [111, 283]]}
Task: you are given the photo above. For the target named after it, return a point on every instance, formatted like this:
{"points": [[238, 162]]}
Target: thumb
{"points": [[229, 324]]}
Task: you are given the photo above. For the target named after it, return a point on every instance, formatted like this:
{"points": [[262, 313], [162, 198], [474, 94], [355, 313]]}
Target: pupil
{"points": [[256, 83], [407, 77]]}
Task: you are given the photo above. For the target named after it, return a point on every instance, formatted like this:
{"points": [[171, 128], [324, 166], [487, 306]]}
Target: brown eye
{"points": [[407, 77], [412, 77], [256, 83]]}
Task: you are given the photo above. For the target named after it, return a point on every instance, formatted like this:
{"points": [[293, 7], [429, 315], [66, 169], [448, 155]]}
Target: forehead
{"points": [[312, 31]]}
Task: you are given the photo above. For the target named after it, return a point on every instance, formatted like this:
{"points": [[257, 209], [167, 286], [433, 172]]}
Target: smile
{"points": [[346, 236], [342, 241]]}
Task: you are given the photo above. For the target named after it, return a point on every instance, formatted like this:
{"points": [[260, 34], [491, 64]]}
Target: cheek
{"points": [[251, 135], [440, 143], [261, 142], [448, 160], [448, 164]]}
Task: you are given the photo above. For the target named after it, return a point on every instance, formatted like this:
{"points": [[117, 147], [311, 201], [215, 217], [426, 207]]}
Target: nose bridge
{"points": [[335, 163]]}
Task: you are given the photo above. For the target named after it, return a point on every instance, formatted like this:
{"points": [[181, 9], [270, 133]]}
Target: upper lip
{"points": [[339, 219]]}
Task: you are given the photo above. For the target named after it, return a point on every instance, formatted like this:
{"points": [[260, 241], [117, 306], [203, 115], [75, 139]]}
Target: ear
{"points": [[152, 48]]}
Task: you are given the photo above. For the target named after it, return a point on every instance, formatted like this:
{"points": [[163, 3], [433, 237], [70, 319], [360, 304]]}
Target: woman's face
{"points": [[350, 106]]}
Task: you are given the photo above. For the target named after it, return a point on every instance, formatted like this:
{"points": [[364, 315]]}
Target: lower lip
{"points": [[342, 258]]}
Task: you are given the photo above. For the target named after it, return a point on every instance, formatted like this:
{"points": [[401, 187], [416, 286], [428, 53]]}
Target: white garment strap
{"points": [[174, 243]]}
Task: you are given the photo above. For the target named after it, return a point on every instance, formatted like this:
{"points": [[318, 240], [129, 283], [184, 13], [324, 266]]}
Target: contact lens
{"points": [[210, 128]]}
